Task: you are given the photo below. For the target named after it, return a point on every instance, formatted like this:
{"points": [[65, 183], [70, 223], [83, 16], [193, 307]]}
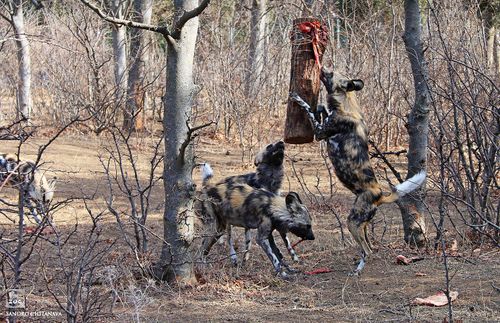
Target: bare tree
{"points": [[412, 207], [176, 263], [256, 52], [119, 35], [489, 12], [142, 11], [15, 16]]}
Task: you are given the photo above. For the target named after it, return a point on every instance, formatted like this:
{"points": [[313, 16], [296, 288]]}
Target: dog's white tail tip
{"points": [[206, 172], [411, 184]]}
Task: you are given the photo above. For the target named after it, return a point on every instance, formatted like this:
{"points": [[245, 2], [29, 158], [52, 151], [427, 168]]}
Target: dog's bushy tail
{"points": [[404, 188], [411, 184], [207, 173]]}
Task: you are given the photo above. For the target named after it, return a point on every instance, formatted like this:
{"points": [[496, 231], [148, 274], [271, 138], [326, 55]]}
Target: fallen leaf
{"points": [[402, 260], [318, 271], [437, 300]]}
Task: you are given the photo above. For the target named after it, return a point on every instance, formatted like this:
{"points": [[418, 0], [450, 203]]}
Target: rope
{"points": [[310, 32]]}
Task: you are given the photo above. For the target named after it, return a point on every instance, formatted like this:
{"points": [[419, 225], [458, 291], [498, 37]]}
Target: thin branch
{"points": [[190, 136], [158, 29], [386, 161], [186, 16]]}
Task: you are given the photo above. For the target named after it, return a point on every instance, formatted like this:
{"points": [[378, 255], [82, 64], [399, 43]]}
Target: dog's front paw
{"points": [[234, 262], [295, 97], [354, 273], [292, 270], [283, 275]]}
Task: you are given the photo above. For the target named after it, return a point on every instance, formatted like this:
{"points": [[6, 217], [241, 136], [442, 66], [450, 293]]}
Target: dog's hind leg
{"points": [[248, 244], [33, 211], [210, 240], [361, 214], [207, 244], [232, 252]]}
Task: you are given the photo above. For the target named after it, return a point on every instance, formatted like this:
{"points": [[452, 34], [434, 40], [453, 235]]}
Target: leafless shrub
{"points": [[81, 297], [125, 178], [467, 125]]}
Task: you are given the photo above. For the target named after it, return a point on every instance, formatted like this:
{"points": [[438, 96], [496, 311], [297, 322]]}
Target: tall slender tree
{"points": [[15, 16], [256, 52], [142, 11], [176, 263], [119, 36], [412, 205]]}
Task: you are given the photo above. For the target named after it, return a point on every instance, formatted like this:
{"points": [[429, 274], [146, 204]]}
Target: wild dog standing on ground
{"points": [[24, 174], [241, 205], [268, 175], [347, 140]]}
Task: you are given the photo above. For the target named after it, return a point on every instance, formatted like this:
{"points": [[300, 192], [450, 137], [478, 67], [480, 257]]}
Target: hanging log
{"points": [[309, 38]]}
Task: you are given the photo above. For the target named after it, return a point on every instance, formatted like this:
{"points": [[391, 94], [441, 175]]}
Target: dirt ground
{"points": [[384, 291]]}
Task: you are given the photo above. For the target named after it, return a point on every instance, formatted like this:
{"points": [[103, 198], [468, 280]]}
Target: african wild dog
{"points": [[268, 175], [346, 135], [238, 204], [22, 174]]}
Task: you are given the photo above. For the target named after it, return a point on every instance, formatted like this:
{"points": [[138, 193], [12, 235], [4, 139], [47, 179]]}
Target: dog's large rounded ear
{"points": [[292, 197], [355, 85]]}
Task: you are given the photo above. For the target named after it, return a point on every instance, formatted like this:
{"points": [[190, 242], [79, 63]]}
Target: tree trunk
{"points": [[148, 77], [488, 13], [119, 36], [135, 92], [304, 76], [24, 61], [176, 257], [256, 52], [412, 205]]}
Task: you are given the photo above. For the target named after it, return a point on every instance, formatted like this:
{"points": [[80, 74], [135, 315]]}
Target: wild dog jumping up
{"points": [[241, 205], [346, 135], [268, 175], [22, 174]]}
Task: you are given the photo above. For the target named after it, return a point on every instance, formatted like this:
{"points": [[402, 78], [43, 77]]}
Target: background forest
{"points": [[109, 109]]}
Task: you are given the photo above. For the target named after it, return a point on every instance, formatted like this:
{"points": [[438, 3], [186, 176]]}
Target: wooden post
{"points": [[309, 38]]}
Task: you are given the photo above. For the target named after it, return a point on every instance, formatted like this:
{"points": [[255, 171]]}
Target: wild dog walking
{"points": [[22, 174], [346, 135], [268, 175], [241, 205]]}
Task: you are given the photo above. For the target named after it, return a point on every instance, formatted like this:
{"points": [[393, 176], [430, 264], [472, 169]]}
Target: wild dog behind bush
{"points": [[346, 135], [21, 174], [241, 205]]}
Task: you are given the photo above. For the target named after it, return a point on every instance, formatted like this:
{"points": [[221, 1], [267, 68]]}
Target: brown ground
{"points": [[252, 294]]}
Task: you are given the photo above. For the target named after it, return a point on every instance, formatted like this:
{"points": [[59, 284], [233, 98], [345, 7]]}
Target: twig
{"points": [[186, 16], [386, 161], [129, 23], [189, 137]]}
